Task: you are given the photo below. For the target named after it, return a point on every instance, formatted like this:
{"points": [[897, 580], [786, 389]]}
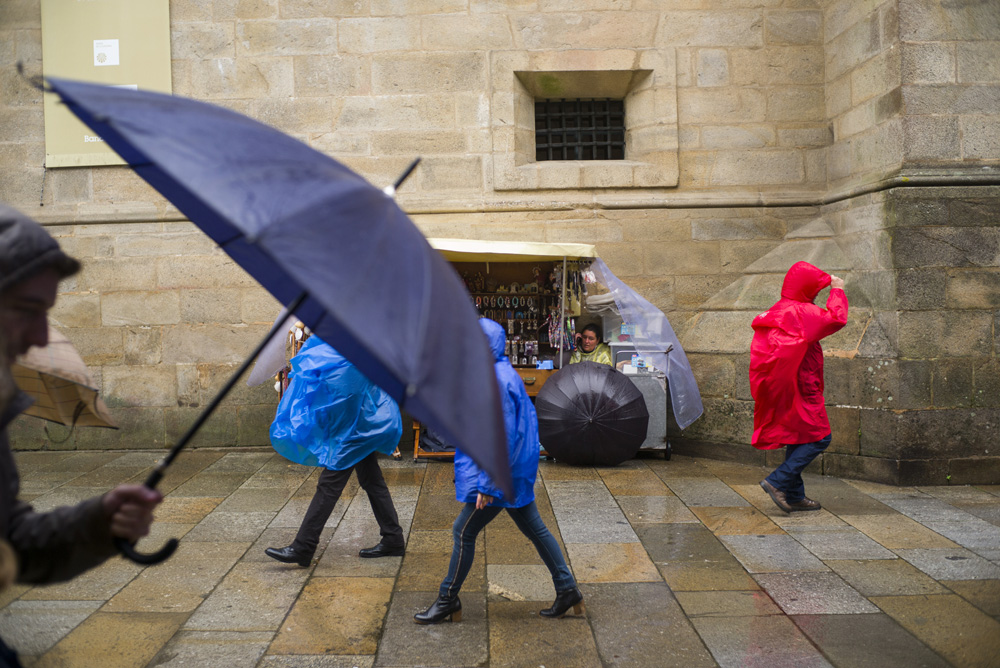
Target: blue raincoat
{"points": [[521, 425], [331, 415]]}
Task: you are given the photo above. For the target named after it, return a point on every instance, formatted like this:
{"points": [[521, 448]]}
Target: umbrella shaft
{"points": [[157, 473]]}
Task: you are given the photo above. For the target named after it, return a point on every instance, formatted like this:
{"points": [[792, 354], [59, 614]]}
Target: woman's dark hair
{"points": [[595, 329]]}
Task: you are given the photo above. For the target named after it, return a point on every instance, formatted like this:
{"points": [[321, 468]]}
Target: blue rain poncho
{"points": [[521, 425], [331, 415]]}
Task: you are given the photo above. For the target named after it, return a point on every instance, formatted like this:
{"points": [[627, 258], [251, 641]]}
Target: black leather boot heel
{"points": [[571, 598], [443, 608]]}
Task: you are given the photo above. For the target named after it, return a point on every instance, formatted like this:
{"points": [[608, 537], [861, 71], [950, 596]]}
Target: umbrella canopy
{"points": [[590, 414], [300, 222], [57, 379]]}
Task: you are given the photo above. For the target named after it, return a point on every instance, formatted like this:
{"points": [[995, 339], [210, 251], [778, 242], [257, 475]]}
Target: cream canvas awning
{"points": [[475, 250]]}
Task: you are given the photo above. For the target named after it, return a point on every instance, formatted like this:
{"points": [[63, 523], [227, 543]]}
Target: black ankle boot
{"points": [[450, 608], [571, 598]]}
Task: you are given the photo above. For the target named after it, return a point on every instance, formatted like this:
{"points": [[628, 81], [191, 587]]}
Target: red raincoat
{"points": [[786, 360]]}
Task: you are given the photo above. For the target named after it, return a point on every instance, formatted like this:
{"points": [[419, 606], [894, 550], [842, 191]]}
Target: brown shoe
{"points": [[805, 504], [776, 495]]}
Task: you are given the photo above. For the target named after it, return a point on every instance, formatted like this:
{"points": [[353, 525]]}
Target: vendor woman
{"points": [[589, 347]]}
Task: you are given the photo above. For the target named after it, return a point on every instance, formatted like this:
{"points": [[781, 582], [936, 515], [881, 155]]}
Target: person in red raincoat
{"points": [[786, 379]]}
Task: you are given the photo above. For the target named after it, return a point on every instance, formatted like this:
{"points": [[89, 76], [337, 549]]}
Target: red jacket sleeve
{"points": [[818, 323]]}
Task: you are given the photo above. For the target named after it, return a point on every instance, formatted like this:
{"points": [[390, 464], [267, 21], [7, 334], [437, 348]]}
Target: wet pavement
{"points": [[684, 562]]}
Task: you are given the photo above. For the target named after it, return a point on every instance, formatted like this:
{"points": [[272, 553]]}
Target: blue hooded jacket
{"points": [[331, 415], [521, 425]]}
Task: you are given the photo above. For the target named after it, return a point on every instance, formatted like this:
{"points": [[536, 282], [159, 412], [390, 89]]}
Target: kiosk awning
{"points": [[476, 250]]}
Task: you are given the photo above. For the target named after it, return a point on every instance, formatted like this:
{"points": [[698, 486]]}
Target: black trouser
{"points": [[328, 490], [8, 657]]}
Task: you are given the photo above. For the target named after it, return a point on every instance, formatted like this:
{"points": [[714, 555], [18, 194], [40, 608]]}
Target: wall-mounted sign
{"points": [[122, 43]]}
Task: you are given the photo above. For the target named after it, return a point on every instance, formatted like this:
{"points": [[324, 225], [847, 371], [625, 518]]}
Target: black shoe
{"points": [[382, 550], [571, 598], [289, 555], [450, 608]]}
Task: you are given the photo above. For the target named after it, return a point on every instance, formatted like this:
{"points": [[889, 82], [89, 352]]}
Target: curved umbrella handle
{"points": [[129, 552], [128, 549]]}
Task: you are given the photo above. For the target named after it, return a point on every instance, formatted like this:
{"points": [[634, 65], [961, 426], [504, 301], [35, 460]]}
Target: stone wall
{"points": [[859, 135]]}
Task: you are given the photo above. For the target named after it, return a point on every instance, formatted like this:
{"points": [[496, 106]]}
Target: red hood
{"points": [[803, 282]]}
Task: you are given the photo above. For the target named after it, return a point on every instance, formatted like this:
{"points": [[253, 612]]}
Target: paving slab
{"points": [[954, 564], [640, 624], [848, 544], [212, 484], [973, 533], [840, 498], [181, 583], [587, 513], [241, 462], [34, 627], [668, 543], [867, 641], [232, 527], [38, 460], [705, 492], [98, 584], [424, 572], [449, 644], [507, 545], [814, 594], [252, 597], [186, 509], [679, 467], [633, 482], [611, 562], [758, 641], [294, 511], [924, 508], [520, 638], [519, 583], [726, 603], [985, 595], [336, 616], [897, 532], [218, 649], [771, 554], [883, 577], [952, 627], [725, 575], [114, 640], [255, 499], [302, 661], [655, 509], [736, 521]]}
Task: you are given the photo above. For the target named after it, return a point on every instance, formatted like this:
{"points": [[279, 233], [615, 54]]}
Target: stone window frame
{"points": [[645, 78]]}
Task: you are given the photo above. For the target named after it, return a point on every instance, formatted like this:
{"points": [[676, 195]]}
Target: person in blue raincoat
{"points": [[484, 500], [334, 417]]}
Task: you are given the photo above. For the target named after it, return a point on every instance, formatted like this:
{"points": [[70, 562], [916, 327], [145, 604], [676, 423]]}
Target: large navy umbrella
{"points": [[301, 223], [590, 414]]}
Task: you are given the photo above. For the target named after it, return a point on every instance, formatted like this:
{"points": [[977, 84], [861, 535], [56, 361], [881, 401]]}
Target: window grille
{"points": [[579, 129]]}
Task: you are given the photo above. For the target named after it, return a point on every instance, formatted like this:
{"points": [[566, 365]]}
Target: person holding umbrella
{"points": [[484, 500], [57, 545], [332, 416]]}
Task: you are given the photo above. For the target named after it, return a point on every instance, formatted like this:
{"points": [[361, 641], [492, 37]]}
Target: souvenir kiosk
{"points": [[542, 293]]}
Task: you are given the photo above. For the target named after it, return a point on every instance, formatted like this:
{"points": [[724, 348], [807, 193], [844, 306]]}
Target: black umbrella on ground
{"points": [[591, 414]]}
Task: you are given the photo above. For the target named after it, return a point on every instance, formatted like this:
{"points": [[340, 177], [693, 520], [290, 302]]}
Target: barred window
{"points": [[579, 129]]}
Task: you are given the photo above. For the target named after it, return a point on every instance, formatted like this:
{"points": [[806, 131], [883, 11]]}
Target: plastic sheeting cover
{"points": [[653, 336]]}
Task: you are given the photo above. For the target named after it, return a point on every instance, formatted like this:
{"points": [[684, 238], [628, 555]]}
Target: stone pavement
{"points": [[682, 563]]}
